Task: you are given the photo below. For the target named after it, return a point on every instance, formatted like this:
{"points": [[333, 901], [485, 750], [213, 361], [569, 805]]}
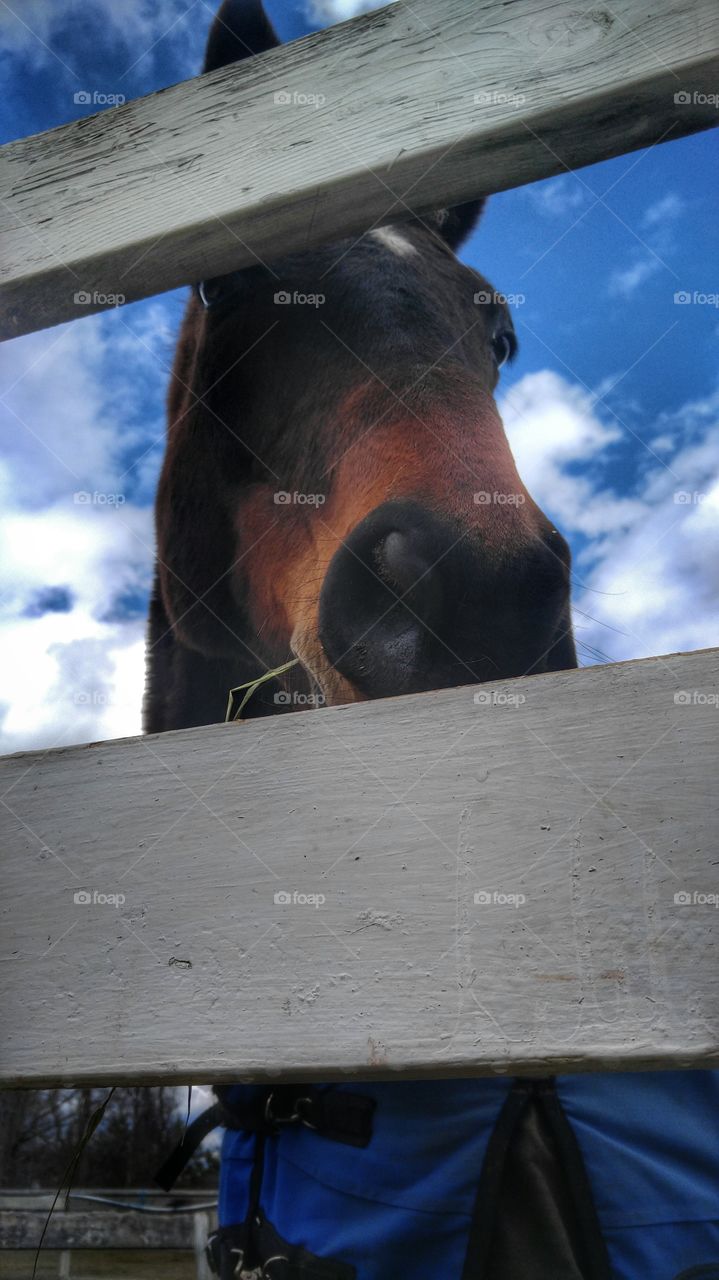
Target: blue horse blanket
{"points": [[419, 1200]]}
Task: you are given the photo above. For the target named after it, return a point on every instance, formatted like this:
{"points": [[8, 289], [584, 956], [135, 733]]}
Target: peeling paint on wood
{"points": [[470, 938], [214, 174]]}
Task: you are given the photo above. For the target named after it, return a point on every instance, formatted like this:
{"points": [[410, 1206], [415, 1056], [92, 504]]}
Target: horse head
{"points": [[338, 485]]}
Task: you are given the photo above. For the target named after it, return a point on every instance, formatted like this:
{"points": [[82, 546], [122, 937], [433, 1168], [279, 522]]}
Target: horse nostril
{"points": [[382, 598], [394, 560], [405, 567], [409, 603]]}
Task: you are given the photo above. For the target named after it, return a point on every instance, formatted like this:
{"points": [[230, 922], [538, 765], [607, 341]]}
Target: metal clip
{"points": [[297, 1113]]}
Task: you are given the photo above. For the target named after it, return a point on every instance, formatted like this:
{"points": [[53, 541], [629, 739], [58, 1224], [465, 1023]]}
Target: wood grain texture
{"points": [[575, 805], [409, 108]]}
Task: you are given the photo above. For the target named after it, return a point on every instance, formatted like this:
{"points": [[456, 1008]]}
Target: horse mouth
{"points": [[333, 688]]}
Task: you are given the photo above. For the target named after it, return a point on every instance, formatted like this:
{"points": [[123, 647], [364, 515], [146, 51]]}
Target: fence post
{"points": [[200, 1232]]}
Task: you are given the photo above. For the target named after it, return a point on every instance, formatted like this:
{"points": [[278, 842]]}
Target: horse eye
{"points": [[211, 291], [504, 346]]}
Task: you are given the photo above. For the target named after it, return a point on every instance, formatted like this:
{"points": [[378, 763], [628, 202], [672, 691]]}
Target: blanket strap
{"points": [[341, 1116]]}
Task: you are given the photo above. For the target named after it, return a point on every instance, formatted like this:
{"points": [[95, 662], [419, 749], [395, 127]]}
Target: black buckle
{"points": [[283, 1261], [336, 1114], [224, 1258], [258, 1246], [295, 1109]]}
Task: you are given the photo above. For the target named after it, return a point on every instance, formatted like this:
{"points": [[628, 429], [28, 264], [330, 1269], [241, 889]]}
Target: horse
{"points": [[339, 508], [338, 489], [338, 486]]}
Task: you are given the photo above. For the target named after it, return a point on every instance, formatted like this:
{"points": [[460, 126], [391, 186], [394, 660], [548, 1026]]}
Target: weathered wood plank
{"points": [[408, 108], [498, 884], [99, 1229]]}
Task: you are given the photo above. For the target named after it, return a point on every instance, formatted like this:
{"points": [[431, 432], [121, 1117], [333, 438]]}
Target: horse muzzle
{"points": [[412, 601]]}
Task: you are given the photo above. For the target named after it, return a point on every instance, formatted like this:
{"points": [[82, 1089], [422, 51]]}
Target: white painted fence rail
{"points": [[511, 877], [98, 1229], [405, 109]]}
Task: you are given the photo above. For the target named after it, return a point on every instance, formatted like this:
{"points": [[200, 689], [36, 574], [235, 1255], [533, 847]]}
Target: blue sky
{"points": [[612, 407]]}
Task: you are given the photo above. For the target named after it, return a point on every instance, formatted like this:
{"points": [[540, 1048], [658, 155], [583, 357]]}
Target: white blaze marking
{"points": [[395, 241]]}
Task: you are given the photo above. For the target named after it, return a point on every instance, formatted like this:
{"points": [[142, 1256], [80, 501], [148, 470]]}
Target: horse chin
{"points": [[334, 689]]}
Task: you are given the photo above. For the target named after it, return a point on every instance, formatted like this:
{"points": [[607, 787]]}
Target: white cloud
{"points": [[556, 197], [624, 282], [327, 12], [647, 568], [658, 224], [77, 397], [42, 31], [662, 443], [74, 400], [659, 213], [552, 426], [647, 581], [72, 676]]}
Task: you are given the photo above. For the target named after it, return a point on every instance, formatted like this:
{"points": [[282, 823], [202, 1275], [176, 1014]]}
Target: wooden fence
{"points": [[512, 878], [408, 108], [87, 1222]]}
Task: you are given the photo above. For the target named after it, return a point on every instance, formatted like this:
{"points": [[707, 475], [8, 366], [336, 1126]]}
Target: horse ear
{"points": [[240, 29], [454, 225]]}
